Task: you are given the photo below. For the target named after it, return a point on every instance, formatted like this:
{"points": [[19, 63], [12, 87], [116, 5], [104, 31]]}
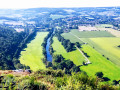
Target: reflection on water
{"points": [[49, 56]]}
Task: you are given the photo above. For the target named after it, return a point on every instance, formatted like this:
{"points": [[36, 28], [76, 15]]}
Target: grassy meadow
{"points": [[71, 37], [100, 64], [108, 47], [99, 43], [75, 56], [83, 36], [90, 34], [32, 55], [115, 59]]}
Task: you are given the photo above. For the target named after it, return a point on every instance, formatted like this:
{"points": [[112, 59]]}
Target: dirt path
{"points": [[87, 60], [5, 72]]}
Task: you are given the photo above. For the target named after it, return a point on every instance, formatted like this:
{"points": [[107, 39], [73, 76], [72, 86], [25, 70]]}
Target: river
{"points": [[49, 56]]}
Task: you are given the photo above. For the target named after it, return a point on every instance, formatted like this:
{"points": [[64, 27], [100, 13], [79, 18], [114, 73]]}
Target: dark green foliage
{"points": [[86, 54], [106, 79], [51, 50], [66, 43], [76, 68], [118, 46], [44, 60], [9, 44], [67, 65], [57, 59], [39, 86], [49, 64], [53, 73], [78, 44], [99, 74], [115, 82]]}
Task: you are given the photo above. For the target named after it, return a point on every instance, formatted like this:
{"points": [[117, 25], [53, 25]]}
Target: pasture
{"points": [[76, 36], [108, 47], [71, 37], [32, 55], [112, 31], [100, 64], [74, 56], [110, 67], [90, 34]]}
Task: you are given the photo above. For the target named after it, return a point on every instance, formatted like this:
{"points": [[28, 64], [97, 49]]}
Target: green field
{"points": [[33, 53], [57, 16], [99, 40], [100, 64], [75, 56], [104, 25], [108, 47], [76, 36], [71, 37], [90, 34]]}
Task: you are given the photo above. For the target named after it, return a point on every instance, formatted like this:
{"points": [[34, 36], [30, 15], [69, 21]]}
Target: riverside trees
{"points": [[9, 43], [67, 65], [66, 43]]}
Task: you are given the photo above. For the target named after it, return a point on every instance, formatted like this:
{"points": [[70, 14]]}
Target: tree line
{"points": [[66, 43], [9, 42]]}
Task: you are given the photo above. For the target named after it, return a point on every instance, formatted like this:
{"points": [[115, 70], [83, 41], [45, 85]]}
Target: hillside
{"points": [[51, 80]]}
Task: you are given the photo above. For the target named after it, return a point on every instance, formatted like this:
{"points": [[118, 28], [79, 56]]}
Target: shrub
{"points": [[99, 74]]}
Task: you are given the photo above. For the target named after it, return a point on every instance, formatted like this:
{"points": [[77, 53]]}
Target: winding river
{"points": [[49, 56]]}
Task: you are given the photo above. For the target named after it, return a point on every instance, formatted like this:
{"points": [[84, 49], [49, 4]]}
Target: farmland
{"points": [[99, 43], [108, 47], [89, 34], [99, 64], [32, 55], [75, 56], [72, 38], [77, 36], [110, 30]]}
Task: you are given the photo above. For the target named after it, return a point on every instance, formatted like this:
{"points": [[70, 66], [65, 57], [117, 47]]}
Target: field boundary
{"points": [[86, 59], [77, 37]]}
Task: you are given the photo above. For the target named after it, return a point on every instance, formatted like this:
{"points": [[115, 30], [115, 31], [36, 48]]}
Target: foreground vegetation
{"points": [[32, 55], [54, 80]]}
